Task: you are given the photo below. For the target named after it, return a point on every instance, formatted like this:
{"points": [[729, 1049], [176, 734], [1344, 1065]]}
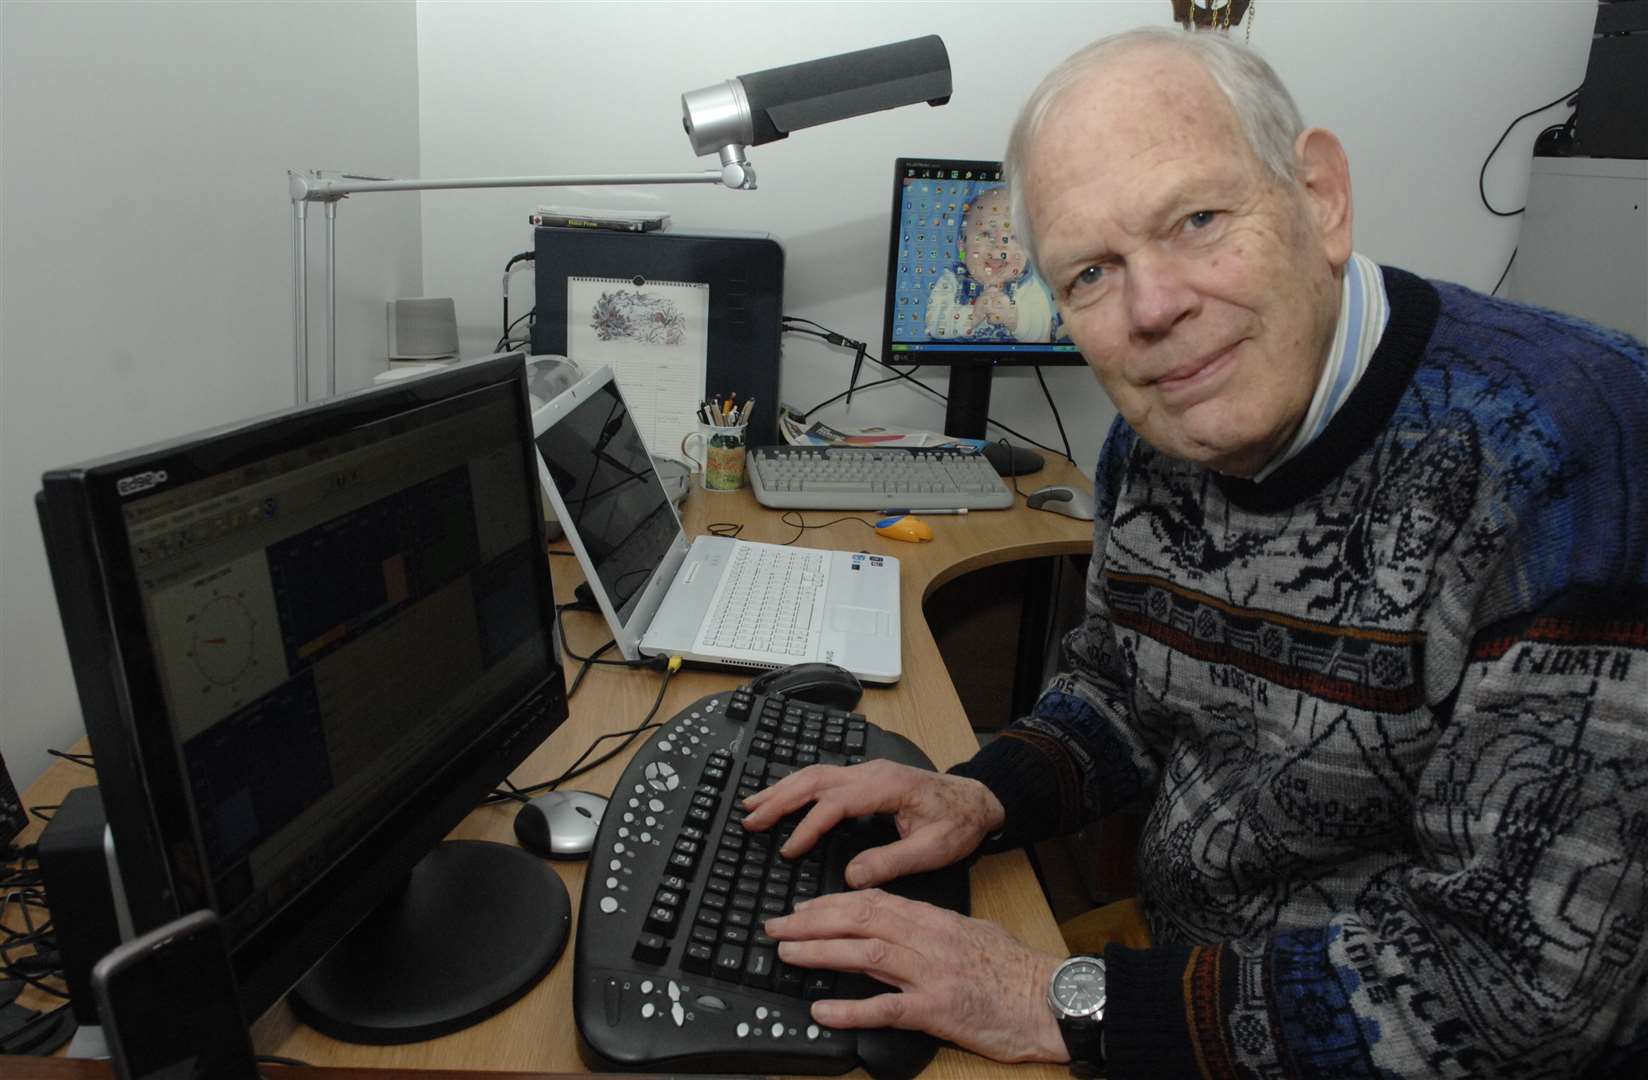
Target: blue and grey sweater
{"points": [[1388, 713]]}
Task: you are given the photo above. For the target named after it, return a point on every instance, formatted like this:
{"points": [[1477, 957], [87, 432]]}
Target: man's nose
{"points": [[1159, 293]]}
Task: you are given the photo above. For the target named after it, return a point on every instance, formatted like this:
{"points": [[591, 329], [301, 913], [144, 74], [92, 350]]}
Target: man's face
{"points": [[1203, 293], [994, 257]]}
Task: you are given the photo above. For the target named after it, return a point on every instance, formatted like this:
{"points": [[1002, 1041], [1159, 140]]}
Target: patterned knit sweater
{"points": [[1388, 713]]}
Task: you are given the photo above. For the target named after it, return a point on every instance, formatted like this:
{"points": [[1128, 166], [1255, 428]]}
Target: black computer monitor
{"points": [[306, 647], [960, 289]]}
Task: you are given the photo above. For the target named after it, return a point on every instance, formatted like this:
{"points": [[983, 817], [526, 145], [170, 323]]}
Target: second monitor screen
{"points": [[959, 281]]}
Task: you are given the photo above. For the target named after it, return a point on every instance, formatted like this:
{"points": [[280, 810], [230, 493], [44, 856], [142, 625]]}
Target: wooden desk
{"points": [[536, 1034]]}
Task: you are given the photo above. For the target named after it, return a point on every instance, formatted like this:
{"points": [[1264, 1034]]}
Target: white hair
{"points": [[1265, 110]]}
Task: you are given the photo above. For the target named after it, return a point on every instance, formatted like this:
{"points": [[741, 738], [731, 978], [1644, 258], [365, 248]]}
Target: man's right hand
{"points": [[940, 818]]}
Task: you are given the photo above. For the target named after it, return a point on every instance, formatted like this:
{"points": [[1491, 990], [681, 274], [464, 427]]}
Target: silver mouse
{"points": [[1062, 499], [560, 824]]}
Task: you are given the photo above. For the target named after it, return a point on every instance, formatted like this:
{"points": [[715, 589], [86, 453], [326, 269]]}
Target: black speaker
{"points": [[1612, 118], [76, 876]]}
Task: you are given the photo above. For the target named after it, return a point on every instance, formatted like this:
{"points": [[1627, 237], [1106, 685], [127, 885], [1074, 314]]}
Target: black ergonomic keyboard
{"points": [[673, 970], [876, 478]]}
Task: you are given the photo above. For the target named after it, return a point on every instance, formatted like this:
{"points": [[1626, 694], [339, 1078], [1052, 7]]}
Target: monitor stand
{"points": [[475, 927], [966, 416]]}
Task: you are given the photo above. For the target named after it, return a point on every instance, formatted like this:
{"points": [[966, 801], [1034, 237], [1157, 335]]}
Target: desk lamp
{"points": [[724, 120]]}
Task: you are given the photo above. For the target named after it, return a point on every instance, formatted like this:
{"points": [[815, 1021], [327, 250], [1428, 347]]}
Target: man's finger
{"points": [[922, 850], [823, 817], [882, 1010], [893, 964]]}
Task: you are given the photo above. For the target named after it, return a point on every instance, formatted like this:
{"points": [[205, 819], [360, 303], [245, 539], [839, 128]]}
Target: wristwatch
{"points": [[1077, 995]]}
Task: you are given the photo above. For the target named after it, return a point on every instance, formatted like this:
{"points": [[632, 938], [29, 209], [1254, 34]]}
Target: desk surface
{"points": [[535, 1034]]}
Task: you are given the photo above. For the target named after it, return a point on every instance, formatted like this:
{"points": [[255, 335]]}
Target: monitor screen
{"points": [[306, 647], [960, 288], [598, 463]]}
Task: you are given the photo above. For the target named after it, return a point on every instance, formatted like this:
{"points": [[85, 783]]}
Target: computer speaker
{"points": [[423, 328]]}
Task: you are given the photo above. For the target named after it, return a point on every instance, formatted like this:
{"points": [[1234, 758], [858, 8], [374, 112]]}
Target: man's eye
{"points": [[1090, 275], [1201, 219]]}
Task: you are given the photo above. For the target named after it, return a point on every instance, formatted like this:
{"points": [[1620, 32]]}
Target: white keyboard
{"points": [[770, 600], [875, 478]]}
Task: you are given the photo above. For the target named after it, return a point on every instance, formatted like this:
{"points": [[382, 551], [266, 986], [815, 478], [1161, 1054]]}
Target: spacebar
{"points": [[851, 486]]}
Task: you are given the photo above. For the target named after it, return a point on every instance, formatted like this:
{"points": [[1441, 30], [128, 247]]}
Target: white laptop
{"points": [[715, 600]]}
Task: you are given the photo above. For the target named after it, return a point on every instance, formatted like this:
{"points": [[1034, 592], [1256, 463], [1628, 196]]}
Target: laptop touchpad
{"points": [[866, 622]]}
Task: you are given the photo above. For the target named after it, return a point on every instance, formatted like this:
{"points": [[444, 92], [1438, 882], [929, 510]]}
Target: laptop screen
{"points": [[601, 468]]}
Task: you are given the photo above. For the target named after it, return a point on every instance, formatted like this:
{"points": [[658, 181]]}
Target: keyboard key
{"points": [[651, 949]]}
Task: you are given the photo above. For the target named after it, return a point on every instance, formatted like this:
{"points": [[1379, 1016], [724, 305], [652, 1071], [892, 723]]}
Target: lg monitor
{"points": [[961, 291], [306, 647]]}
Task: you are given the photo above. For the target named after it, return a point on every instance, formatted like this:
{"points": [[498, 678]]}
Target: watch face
{"points": [[1078, 987]]}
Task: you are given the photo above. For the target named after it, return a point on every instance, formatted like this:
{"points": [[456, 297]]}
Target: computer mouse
{"points": [[904, 527], [1062, 499], [561, 824], [821, 684]]}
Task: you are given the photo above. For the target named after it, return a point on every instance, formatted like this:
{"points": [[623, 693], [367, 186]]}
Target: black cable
{"points": [[508, 266], [844, 393], [503, 342], [579, 768], [801, 527], [78, 759], [841, 339], [1057, 419], [1502, 276], [1481, 176]]}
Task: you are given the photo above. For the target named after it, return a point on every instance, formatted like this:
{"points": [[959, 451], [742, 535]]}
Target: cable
{"points": [[1501, 280], [1057, 419], [78, 759], [525, 256], [840, 339], [801, 527], [1481, 176], [503, 342], [578, 767]]}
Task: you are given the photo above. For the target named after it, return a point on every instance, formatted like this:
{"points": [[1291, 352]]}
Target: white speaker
{"points": [[423, 328]]}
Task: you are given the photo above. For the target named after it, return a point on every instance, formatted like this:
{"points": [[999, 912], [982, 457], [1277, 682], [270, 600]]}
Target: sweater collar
{"points": [[1363, 312], [1363, 413]]}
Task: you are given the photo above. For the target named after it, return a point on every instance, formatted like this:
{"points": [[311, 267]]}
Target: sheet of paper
{"points": [[655, 337]]}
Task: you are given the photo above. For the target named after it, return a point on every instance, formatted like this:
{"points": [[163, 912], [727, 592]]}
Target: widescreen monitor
{"points": [[306, 647], [960, 288]]}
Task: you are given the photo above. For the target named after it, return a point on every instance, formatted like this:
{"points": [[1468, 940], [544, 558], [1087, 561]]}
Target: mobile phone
{"points": [[169, 1005]]}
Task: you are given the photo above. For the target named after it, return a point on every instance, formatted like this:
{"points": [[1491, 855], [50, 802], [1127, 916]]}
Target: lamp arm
{"points": [[735, 172]]}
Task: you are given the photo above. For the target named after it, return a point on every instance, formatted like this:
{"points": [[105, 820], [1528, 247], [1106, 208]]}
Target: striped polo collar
{"points": [[1364, 310]]}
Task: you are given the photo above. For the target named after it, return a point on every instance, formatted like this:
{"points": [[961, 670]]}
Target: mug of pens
{"points": [[721, 428]]}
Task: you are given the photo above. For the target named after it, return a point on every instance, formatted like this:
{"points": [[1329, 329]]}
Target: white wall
{"points": [[145, 288], [1418, 92]]}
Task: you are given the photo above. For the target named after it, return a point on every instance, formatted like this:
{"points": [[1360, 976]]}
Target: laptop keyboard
{"points": [[770, 600]]}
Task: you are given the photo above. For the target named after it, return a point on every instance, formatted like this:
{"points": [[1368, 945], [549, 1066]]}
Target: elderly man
{"points": [[1365, 634]]}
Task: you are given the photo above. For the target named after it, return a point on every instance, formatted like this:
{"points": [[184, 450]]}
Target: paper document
{"points": [[655, 337]]}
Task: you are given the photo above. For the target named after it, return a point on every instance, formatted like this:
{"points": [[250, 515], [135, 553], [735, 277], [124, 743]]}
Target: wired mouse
{"points": [[561, 824], [820, 684], [1062, 499]]}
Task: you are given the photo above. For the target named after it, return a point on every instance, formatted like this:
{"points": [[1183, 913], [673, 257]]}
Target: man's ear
{"points": [[1324, 178]]}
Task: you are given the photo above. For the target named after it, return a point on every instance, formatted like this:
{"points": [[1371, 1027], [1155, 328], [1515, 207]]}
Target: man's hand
{"points": [[940, 818], [958, 978]]}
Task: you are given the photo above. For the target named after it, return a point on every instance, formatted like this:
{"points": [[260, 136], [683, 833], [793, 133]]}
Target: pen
{"points": [[922, 510]]}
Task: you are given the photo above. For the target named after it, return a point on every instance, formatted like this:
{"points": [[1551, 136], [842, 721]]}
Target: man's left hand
{"points": [[961, 979]]}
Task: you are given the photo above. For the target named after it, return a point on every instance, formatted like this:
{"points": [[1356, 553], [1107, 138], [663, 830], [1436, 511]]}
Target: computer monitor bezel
{"points": [[971, 363], [145, 792]]}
